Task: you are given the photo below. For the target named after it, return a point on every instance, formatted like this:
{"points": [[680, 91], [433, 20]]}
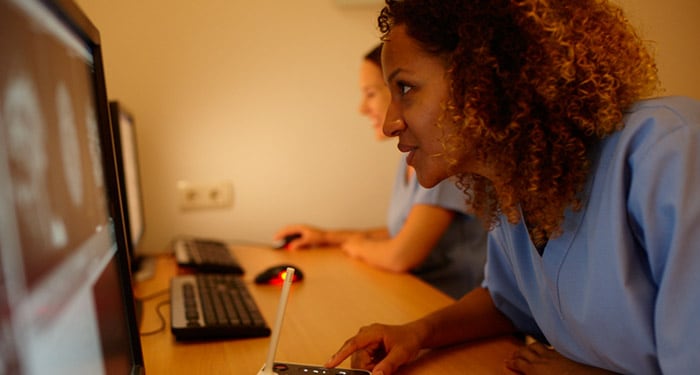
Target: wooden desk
{"points": [[337, 297]]}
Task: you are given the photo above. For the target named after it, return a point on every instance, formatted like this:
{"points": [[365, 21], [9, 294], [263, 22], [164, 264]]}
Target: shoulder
{"points": [[662, 116], [680, 107], [654, 160], [654, 124]]}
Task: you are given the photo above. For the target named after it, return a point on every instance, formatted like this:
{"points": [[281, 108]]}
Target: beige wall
{"points": [[264, 94], [674, 28]]}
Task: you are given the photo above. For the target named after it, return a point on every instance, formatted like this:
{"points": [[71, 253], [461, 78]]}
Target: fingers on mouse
{"points": [[286, 240]]}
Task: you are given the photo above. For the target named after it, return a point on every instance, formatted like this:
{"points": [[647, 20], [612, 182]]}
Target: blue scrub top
{"points": [[620, 288], [456, 263]]}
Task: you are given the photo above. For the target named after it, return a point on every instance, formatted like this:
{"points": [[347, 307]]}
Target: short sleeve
{"points": [[499, 279]]}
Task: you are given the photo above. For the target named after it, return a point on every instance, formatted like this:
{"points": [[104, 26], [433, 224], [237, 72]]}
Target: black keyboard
{"points": [[213, 306], [205, 255]]}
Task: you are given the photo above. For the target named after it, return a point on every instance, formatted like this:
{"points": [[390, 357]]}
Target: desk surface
{"points": [[336, 298]]}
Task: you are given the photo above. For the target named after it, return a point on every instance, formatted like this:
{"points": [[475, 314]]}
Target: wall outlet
{"points": [[194, 196]]}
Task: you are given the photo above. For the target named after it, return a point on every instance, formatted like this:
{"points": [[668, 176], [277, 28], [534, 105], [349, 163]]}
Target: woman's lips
{"points": [[406, 148], [411, 152]]}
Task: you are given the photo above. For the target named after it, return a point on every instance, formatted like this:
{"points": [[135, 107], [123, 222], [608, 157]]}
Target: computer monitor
{"points": [[126, 154], [66, 304]]}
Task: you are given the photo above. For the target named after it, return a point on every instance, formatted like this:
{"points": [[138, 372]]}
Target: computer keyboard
{"points": [[204, 255], [214, 306]]}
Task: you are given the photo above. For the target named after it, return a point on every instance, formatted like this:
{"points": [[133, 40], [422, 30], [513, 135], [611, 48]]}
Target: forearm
{"points": [[473, 317], [381, 233], [406, 250], [413, 243], [337, 237], [381, 254]]}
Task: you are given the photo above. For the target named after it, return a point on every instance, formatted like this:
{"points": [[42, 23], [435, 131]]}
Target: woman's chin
{"points": [[429, 180], [429, 177]]}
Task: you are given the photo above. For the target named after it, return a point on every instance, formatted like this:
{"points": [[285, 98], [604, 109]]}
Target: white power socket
{"points": [[194, 196]]}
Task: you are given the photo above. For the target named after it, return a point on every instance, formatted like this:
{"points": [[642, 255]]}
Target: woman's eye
{"points": [[404, 88]]}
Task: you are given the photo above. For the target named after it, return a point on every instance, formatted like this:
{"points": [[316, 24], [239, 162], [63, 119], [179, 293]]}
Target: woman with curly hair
{"points": [[543, 111]]}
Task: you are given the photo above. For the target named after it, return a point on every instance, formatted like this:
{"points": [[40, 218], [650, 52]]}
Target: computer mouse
{"points": [[277, 273], [284, 242]]}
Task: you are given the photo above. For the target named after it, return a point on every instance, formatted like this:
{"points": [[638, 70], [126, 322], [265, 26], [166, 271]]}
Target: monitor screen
{"points": [[124, 132], [66, 305]]}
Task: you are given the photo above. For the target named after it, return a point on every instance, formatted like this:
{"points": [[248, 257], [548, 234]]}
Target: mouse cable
{"points": [[161, 317]]}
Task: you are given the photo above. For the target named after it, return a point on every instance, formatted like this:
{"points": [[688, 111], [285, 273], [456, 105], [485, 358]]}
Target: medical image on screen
{"points": [[51, 166]]}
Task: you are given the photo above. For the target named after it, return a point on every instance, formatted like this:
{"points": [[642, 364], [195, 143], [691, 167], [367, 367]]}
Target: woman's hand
{"points": [[380, 348], [309, 236]]}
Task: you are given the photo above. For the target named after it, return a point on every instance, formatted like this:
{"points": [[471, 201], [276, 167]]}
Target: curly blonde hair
{"points": [[535, 86]]}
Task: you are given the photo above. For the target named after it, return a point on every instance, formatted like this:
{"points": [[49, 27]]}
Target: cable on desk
{"points": [[161, 317]]}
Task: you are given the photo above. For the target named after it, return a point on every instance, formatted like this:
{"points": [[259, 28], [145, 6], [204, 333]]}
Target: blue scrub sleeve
{"points": [[499, 279], [665, 216]]}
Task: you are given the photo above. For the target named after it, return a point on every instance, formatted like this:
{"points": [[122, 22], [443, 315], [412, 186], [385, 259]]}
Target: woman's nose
{"points": [[363, 107], [393, 123]]}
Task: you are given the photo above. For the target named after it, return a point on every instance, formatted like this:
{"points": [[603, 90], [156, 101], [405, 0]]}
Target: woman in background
{"points": [[428, 231]]}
